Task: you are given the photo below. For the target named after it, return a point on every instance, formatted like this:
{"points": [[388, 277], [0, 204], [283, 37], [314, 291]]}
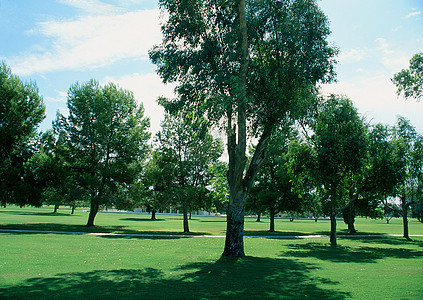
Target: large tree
{"points": [[410, 81], [187, 148], [246, 68], [106, 139], [21, 111]]}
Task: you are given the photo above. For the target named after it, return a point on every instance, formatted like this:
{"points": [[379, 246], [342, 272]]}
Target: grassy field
{"points": [[58, 266]]}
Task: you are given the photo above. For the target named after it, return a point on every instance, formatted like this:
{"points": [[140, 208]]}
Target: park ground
{"points": [[38, 263]]}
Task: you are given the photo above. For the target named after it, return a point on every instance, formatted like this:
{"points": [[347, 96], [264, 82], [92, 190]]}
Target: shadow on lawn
{"points": [[341, 253], [54, 228], [141, 219], [247, 278]]}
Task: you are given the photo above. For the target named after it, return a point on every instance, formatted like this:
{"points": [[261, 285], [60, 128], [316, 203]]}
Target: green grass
{"points": [[57, 266]]}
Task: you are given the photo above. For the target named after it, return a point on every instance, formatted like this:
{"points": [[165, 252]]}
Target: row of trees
{"points": [[338, 165], [100, 153]]}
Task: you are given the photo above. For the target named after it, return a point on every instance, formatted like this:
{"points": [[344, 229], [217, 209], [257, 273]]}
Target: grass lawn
{"points": [[57, 266]]}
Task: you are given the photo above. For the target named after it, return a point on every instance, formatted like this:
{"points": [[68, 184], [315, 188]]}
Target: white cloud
{"points": [[413, 14], [91, 42], [92, 6], [352, 55], [391, 59], [376, 100], [147, 89]]}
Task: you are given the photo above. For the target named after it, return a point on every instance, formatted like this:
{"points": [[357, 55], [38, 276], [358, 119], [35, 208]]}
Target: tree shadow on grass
{"points": [[341, 253], [142, 219], [247, 278]]}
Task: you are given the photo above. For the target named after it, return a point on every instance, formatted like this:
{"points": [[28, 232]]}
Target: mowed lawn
{"points": [[63, 266]]}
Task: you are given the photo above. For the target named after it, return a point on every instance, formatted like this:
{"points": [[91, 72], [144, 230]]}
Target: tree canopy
{"points": [[246, 66], [410, 81], [21, 111], [106, 140]]}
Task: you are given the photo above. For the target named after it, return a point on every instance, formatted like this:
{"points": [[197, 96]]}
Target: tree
{"points": [[21, 111], [272, 190], [187, 149], [106, 140], [409, 188], [334, 158], [248, 66], [219, 188], [410, 81]]}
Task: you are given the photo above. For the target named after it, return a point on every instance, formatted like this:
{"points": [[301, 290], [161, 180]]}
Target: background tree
{"points": [[250, 65], [409, 188], [106, 136], [410, 81], [219, 188], [335, 157], [187, 149], [21, 111], [272, 189]]}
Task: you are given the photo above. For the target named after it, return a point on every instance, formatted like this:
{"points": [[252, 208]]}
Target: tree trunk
{"points": [[153, 214], [349, 218], [234, 242], [333, 229], [73, 209], [258, 217], [272, 221], [405, 218], [56, 207], [93, 213], [185, 212]]}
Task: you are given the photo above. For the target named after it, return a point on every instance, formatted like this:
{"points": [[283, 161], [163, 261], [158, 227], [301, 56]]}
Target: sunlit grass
{"points": [[57, 266]]}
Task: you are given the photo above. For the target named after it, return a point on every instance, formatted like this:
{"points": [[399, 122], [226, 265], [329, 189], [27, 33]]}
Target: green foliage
{"points": [[106, 138], [273, 191], [219, 186], [185, 149], [410, 81], [21, 111]]}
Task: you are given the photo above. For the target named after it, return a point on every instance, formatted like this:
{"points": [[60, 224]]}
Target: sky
{"points": [[57, 43]]}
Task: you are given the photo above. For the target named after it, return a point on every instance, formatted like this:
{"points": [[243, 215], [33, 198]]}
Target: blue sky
{"points": [[58, 42]]}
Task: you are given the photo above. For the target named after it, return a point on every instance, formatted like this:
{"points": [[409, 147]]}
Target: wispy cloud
{"points": [[352, 55], [90, 41], [92, 6], [413, 14]]}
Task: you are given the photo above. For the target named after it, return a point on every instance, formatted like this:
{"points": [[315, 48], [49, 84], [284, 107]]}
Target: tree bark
{"points": [[73, 209], [153, 214], [332, 239], [272, 221], [405, 218], [234, 242], [258, 217], [56, 208], [93, 212], [349, 218], [185, 213]]}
